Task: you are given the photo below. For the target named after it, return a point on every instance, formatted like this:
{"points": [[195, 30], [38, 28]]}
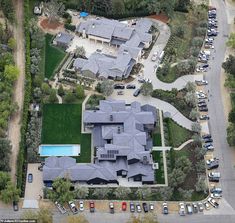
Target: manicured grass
{"points": [[159, 173], [157, 139], [62, 125], [177, 134], [53, 58]]}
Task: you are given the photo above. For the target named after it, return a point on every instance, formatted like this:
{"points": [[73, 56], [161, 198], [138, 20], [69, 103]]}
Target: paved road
{"points": [[217, 117]]}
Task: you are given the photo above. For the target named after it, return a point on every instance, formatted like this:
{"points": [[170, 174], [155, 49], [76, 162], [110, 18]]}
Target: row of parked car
{"points": [[212, 23], [74, 209], [202, 105]]}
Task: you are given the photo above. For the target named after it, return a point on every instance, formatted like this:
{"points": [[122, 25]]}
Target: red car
{"points": [[92, 206], [124, 206]]}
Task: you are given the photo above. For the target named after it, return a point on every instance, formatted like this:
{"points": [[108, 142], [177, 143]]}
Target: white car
{"points": [[216, 195], [154, 57], [206, 204], [60, 207], [202, 82], [73, 207], [181, 209], [208, 162], [213, 202], [81, 205]]}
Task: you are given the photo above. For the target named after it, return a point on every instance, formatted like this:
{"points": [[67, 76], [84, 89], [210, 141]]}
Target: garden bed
{"points": [[159, 173]]}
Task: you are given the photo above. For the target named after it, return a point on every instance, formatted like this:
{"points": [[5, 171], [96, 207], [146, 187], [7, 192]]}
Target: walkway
{"points": [[15, 121], [183, 145]]}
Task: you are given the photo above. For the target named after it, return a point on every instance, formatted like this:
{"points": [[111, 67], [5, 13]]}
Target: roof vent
{"points": [[119, 130], [111, 118], [93, 25], [145, 160]]}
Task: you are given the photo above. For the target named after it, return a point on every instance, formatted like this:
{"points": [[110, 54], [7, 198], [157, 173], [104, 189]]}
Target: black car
{"points": [[15, 206], [164, 208], [137, 92], [130, 86], [118, 86], [207, 136], [132, 207], [145, 207], [208, 140], [202, 104], [203, 109]]}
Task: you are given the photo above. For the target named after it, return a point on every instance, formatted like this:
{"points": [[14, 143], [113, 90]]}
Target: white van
{"points": [[161, 55]]}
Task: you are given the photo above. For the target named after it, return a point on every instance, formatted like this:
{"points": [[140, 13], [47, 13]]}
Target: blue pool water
{"points": [[59, 150]]}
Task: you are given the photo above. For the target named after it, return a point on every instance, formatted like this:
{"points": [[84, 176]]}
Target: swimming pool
{"points": [[59, 150]]}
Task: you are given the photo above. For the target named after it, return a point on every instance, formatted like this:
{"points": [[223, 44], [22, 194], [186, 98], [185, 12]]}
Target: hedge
{"points": [[21, 164]]}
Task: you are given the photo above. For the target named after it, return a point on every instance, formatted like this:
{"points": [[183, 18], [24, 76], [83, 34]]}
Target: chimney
{"points": [[119, 130], [111, 118]]}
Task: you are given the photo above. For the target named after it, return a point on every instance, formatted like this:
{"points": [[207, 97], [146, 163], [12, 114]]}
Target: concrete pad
{"points": [[30, 204], [34, 190], [205, 127]]}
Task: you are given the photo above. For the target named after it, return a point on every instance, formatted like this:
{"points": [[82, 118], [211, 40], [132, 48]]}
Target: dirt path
{"points": [[15, 122]]}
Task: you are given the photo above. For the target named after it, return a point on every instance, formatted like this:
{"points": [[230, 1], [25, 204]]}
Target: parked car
{"points": [[15, 206], [132, 207], [204, 117], [210, 148], [208, 140], [73, 207], [202, 105], [60, 207], [118, 86], [81, 205], [213, 160], [164, 208], [214, 176], [209, 46], [206, 205], [145, 207], [111, 207], [137, 92], [30, 178], [195, 207], [216, 195], [203, 109], [207, 136], [200, 206], [201, 101], [141, 80], [151, 207], [181, 209], [92, 206], [123, 206], [202, 82], [200, 69], [206, 145], [189, 208], [138, 207], [217, 190], [130, 86], [154, 57], [213, 202]]}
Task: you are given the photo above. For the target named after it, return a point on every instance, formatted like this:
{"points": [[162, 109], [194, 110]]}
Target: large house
{"points": [[121, 136], [130, 40]]}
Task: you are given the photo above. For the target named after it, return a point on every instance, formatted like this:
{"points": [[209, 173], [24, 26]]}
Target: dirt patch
{"points": [[46, 24], [161, 17]]}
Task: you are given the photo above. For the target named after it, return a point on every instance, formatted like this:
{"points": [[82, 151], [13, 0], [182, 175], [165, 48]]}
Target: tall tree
{"points": [[5, 151], [231, 40], [106, 87], [81, 192], [146, 88], [101, 193], [4, 179], [11, 72], [53, 8], [10, 193], [118, 7], [122, 192]]}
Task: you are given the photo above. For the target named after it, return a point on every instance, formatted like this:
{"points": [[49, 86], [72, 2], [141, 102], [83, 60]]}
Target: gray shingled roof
{"points": [[64, 38]]}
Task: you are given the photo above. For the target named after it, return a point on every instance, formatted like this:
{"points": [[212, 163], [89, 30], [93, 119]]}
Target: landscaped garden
{"points": [[62, 125], [159, 173], [53, 57], [187, 33]]}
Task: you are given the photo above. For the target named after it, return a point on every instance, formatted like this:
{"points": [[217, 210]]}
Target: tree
{"points": [[191, 99], [81, 192], [69, 97], [10, 193], [5, 152], [176, 177], [190, 86], [200, 166], [4, 179], [143, 192], [79, 91], [118, 7], [42, 216], [231, 134], [53, 8], [46, 89], [122, 192], [80, 52], [61, 191], [76, 219], [229, 65], [11, 72], [101, 193], [197, 139], [166, 193], [196, 127], [186, 194], [11, 43], [146, 88], [52, 97], [231, 116], [184, 164], [197, 41], [201, 185], [60, 90], [231, 40], [194, 114], [106, 87]]}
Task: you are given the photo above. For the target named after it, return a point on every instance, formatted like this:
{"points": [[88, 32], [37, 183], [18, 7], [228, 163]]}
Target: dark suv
{"points": [[118, 86]]}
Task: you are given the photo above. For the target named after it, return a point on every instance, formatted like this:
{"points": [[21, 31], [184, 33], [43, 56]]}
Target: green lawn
{"points": [[157, 139], [62, 125], [177, 134], [159, 173], [53, 57]]}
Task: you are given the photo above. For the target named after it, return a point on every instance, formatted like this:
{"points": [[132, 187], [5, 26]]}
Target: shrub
{"points": [[69, 27]]}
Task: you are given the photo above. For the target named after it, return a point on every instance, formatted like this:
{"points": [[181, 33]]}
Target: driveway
{"points": [[34, 189]]}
